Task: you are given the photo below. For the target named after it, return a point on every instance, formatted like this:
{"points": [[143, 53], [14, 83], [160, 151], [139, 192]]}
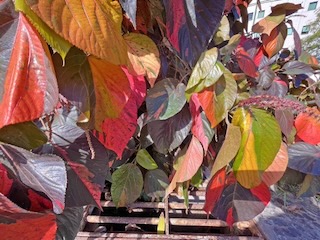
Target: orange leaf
{"points": [[267, 24], [273, 44], [112, 90], [93, 26], [308, 126]]}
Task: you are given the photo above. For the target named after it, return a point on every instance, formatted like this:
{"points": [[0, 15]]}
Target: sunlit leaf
{"points": [[246, 63], [17, 222], [27, 78], [143, 55], [197, 179], [57, 42], [93, 26], [219, 98], [145, 160], [222, 33], [165, 99], [155, 183], [273, 43], [127, 183], [277, 168], [130, 7], [228, 149], [308, 125], [161, 224], [258, 127], [269, 23], [189, 160]]}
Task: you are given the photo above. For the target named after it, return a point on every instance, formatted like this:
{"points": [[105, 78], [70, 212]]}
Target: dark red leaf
{"points": [[16, 222], [38, 202], [5, 181]]}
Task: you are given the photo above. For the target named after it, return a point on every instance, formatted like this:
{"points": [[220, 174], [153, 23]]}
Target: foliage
{"points": [[311, 43], [145, 94]]}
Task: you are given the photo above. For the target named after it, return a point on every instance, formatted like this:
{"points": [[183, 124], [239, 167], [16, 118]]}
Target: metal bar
{"points": [[166, 214]]}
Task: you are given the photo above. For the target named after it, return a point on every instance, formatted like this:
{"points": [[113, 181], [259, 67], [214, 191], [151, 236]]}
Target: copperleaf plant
{"points": [[146, 95]]}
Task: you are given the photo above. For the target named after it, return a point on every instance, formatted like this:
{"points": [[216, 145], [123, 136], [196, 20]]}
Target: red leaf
{"points": [[29, 85], [118, 131], [5, 181], [246, 63], [18, 223], [308, 126], [38, 202], [214, 190]]}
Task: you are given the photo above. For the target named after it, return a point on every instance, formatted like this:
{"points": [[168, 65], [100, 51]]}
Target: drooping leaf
{"points": [[69, 223], [296, 39], [277, 168], [25, 135], [118, 131], [269, 23], [127, 183], [246, 63], [273, 43], [189, 160], [169, 134], [16, 222], [28, 84], [145, 160], [296, 67], [222, 33], [165, 99], [143, 55], [197, 179], [155, 183], [200, 124], [130, 7], [93, 26], [228, 149], [32, 170], [57, 42], [258, 127], [304, 157], [219, 98], [112, 90], [308, 125], [285, 119], [75, 80], [235, 203], [188, 39], [206, 72]]}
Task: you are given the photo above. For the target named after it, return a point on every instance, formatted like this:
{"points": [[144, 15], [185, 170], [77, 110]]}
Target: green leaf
{"points": [[155, 183], [260, 143], [206, 72], [197, 179], [127, 183], [26, 135], [57, 42], [228, 149], [145, 160], [222, 33]]}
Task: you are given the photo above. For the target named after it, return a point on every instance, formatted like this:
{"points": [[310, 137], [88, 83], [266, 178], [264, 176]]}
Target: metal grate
{"points": [[140, 221]]}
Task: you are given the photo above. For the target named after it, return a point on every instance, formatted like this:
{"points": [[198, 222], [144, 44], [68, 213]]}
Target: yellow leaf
{"points": [[161, 224], [305, 184]]}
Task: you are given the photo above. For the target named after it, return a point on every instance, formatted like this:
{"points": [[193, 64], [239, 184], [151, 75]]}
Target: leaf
{"points": [[112, 90], [222, 33], [235, 203], [161, 227], [5, 181], [266, 77], [269, 23], [155, 183], [127, 183], [308, 125], [188, 39], [145, 160], [118, 131], [296, 38], [285, 119], [16, 221], [27, 78], [228, 150], [25, 135], [305, 185], [296, 67], [273, 43], [289, 8], [32, 170], [219, 98], [232, 44], [246, 63], [277, 168], [93, 26], [189, 160], [69, 223], [304, 157], [130, 7], [206, 72], [169, 134], [165, 99], [197, 179], [258, 127], [200, 124], [75, 80], [143, 55], [58, 43]]}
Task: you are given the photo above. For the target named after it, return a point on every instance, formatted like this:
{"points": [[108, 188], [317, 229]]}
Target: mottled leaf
{"points": [[93, 26], [258, 127], [143, 56], [155, 183], [145, 160], [127, 183]]}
